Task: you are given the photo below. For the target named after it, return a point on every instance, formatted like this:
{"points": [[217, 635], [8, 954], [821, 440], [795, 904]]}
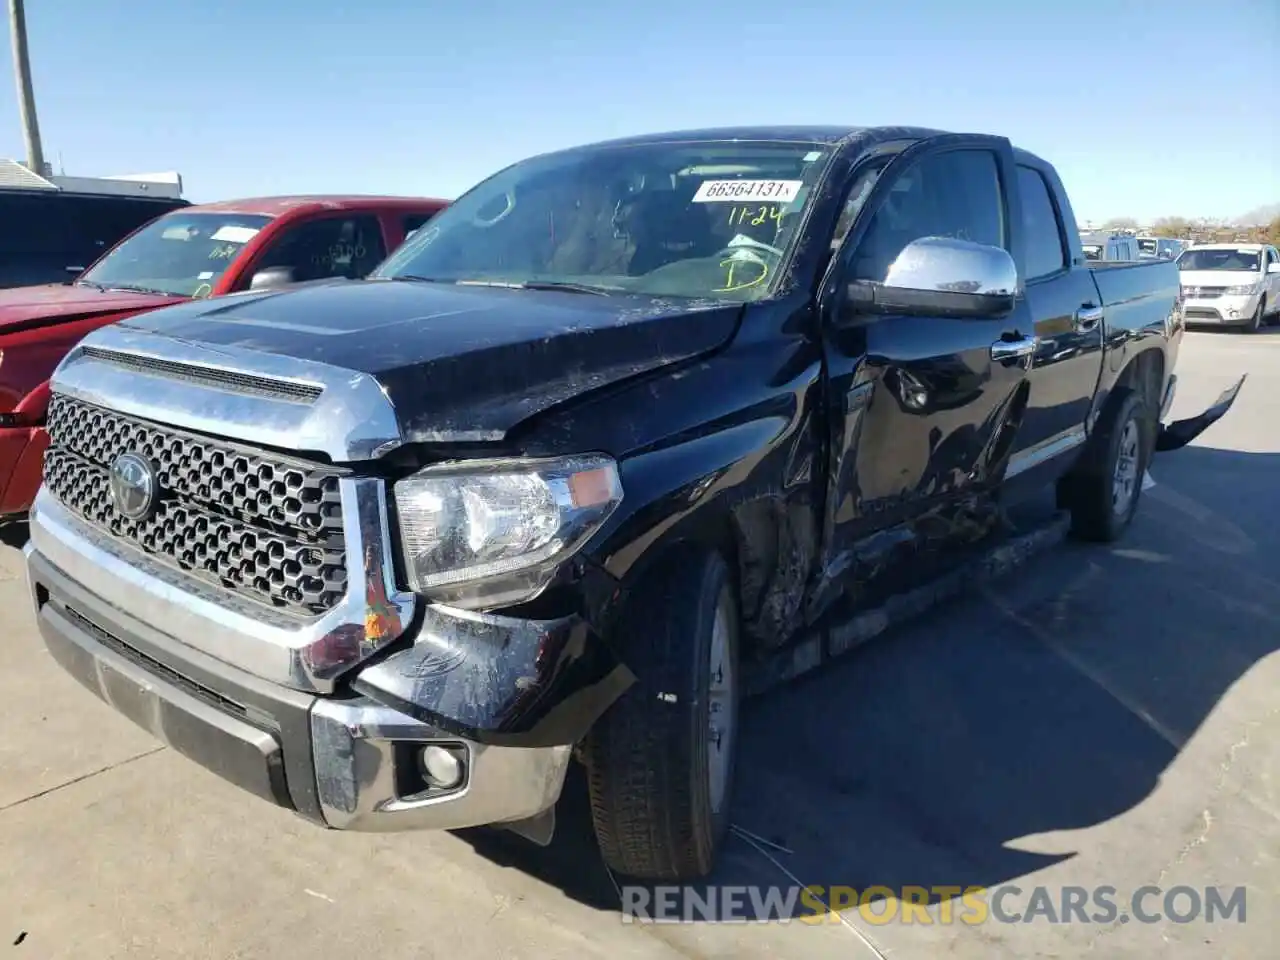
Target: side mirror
{"points": [[1273, 268], [942, 277], [271, 278]]}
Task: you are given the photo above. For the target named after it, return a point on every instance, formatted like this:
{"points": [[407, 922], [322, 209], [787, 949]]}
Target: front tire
{"points": [[1103, 491], [1257, 320], [660, 762]]}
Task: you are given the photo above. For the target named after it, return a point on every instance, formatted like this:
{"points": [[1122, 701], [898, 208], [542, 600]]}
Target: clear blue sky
{"points": [[1147, 107]]}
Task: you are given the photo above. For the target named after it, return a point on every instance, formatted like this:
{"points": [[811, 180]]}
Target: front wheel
{"points": [[1258, 319], [1103, 491], [660, 762]]}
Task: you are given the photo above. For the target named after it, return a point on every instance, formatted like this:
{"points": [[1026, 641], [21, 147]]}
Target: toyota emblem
{"points": [[133, 485]]}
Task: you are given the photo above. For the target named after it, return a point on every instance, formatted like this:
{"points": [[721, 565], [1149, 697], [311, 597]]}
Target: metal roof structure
{"points": [[17, 176], [14, 174]]}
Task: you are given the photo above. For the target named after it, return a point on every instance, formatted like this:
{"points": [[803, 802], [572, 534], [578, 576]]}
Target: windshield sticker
{"points": [[233, 234], [176, 233], [737, 191], [810, 157], [205, 275]]}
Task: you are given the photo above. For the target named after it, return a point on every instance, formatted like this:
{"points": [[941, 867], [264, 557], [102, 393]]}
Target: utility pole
{"points": [[26, 95]]}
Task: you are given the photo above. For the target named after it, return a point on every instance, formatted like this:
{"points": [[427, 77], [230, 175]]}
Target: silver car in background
{"points": [[1230, 284], [1158, 248]]}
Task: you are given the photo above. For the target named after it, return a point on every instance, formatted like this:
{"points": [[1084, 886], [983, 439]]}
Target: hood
{"points": [[458, 363], [1218, 278], [22, 307]]}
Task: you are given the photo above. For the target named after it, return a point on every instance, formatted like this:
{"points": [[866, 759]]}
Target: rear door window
{"points": [[1044, 248]]}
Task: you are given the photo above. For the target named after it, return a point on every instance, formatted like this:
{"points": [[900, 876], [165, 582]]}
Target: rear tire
{"points": [[660, 762], [1104, 489]]}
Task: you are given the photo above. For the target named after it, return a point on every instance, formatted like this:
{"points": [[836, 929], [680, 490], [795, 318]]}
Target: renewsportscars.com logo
{"points": [[1007, 903]]}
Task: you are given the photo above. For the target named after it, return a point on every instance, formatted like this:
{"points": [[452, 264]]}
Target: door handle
{"points": [[1088, 317], [1005, 350]]}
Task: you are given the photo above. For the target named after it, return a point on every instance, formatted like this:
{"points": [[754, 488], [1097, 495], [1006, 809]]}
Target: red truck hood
{"points": [[36, 306]]}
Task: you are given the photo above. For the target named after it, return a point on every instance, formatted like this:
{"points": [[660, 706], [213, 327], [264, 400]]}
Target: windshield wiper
{"points": [[130, 289], [89, 283], [565, 286], [568, 286]]}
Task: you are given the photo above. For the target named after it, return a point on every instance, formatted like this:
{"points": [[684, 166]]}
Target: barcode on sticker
{"points": [[736, 191]]}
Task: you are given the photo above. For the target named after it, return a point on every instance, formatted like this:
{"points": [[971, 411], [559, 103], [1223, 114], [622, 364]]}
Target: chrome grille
{"points": [[1203, 293], [257, 523]]}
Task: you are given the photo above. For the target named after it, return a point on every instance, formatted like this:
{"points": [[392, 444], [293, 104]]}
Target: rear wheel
{"points": [[1103, 491], [660, 763]]}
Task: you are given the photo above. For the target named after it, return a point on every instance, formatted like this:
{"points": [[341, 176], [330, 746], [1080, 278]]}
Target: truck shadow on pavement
{"points": [[1052, 701], [13, 533]]}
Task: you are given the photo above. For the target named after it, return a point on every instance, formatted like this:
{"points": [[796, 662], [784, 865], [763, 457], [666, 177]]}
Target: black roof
{"points": [[793, 133]]}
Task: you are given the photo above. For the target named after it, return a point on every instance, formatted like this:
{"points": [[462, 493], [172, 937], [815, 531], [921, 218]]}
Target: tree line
{"points": [[1181, 228]]}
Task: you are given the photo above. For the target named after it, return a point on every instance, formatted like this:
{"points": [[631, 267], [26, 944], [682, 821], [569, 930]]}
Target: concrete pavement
{"points": [[1106, 716]]}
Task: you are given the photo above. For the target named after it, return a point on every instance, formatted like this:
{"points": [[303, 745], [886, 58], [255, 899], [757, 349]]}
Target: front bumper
{"points": [[343, 761], [1227, 311]]}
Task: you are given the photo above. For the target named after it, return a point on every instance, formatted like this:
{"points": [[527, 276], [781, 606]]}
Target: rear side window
{"points": [[1040, 224], [954, 194], [415, 220]]}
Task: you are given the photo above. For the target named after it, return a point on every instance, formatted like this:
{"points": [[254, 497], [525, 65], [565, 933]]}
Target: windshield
{"points": [[684, 219], [1247, 260], [180, 254]]}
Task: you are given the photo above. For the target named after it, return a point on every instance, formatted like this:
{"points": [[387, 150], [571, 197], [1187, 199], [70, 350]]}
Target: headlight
{"points": [[1244, 290], [492, 533]]}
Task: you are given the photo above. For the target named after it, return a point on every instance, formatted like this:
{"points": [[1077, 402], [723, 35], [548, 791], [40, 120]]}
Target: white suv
{"points": [[1230, 284]]}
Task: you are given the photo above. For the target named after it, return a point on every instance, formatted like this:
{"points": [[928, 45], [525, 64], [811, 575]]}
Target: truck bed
{"points": [[1135, 293]]}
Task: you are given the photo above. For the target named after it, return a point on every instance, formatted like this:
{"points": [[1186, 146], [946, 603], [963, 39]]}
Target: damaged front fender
{"points": [[501, 680], [1174, 436]]}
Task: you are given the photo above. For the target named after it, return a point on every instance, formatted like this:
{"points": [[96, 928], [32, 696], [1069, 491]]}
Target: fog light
{"points": [[443, 768]]}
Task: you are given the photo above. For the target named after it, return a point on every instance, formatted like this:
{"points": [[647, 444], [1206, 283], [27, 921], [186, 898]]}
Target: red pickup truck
{"points": [[195, 252]]}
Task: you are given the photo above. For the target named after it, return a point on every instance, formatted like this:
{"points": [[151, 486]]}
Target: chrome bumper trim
{"points": [[293, 652], [355, 766]]}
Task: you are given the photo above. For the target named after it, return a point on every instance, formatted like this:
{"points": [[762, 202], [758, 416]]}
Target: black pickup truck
{"points": [[620, 422]]}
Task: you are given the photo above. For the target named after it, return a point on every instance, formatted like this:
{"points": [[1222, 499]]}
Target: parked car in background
{"points": [[621, 421], [49, 234], [1158, 248], [1099, 246], [193, 253], [1230, 284]]}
